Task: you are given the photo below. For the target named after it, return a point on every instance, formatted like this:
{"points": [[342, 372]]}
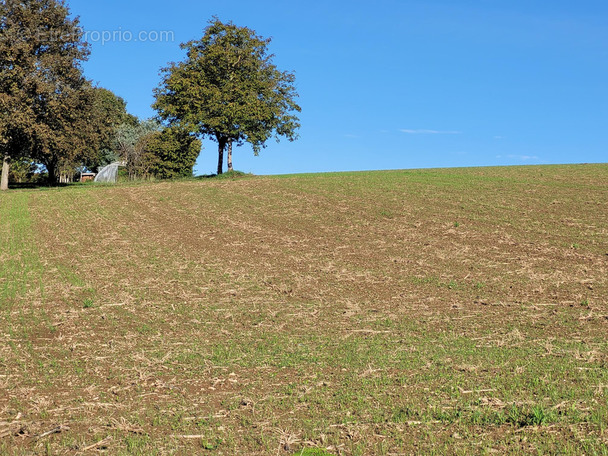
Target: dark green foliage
{"points": [[228, 89], [175, 152], [22, 170], [110, 111], [115, 107]]}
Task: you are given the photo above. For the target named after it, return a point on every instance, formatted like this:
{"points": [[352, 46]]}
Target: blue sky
{"points": [[391, 84]]}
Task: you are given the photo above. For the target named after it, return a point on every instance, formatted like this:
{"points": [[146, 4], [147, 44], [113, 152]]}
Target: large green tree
{"points": [[174, 151], [228, 89], [46, 104]]}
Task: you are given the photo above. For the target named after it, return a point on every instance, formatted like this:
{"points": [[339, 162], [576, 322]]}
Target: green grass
{"points": [[312, 452], [20, 264]]}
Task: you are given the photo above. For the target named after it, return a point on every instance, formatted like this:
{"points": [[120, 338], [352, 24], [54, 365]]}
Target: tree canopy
{"points": [[174, 151], [50, 113], [46, 104], [228, 89]]}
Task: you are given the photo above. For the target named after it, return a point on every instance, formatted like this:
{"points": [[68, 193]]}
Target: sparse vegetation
{"points": [[336, 314]]}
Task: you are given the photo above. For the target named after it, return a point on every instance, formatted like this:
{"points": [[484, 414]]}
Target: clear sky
{"points": [[390, 84]]}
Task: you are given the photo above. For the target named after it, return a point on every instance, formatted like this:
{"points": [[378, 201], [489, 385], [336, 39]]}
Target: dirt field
{"points": [[460, 311]]}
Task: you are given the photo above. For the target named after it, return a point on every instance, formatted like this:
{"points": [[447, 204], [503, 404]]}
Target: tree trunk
{"points": [[230, 155], [52, 170], [220, 161], [5, 169]]}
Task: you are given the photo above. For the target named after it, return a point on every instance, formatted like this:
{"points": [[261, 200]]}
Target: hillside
{"points": [[458, 311]]}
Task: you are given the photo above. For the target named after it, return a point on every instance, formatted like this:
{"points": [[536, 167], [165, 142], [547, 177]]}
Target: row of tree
{"points": [[227, 89]]}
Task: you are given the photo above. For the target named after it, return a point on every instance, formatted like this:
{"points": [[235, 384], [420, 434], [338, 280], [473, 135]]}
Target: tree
{"points": [[72, 133], [149, 150], [83, 132], [22, 170], [110, 112], [45, 101], [114, 107], [228, 89], [175, 152], [131, 142]]}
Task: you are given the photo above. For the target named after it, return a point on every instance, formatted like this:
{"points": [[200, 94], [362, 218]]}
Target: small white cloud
{"points": [[429, 132], [523, 157]]}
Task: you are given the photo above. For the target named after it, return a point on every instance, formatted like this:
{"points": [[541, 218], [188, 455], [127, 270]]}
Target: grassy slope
{"points": [[437, 311]]}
